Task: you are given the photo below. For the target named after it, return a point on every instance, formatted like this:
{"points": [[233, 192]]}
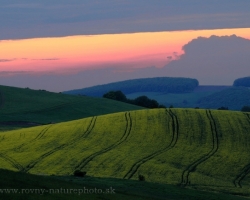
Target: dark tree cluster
{"points": [[143, 101], [245, 109], [223, 108], [116, 95], [79, 173]]}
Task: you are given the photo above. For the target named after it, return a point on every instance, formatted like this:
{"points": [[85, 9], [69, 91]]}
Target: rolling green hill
{"points": [[202, 149], [26, 107]]}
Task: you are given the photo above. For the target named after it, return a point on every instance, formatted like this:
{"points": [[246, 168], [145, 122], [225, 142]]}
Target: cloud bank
{"points": [[213, 61]]}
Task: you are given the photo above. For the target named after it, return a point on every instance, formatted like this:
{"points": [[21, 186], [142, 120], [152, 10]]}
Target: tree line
{"points": [[142, 101]]}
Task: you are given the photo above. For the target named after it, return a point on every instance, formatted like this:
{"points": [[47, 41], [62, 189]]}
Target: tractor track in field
{"points": [[137, 165], [244, 171], [39, 136], [248, 116], [12, 161], [2, 138], [62, 146], [192, 167], [124, 137]]}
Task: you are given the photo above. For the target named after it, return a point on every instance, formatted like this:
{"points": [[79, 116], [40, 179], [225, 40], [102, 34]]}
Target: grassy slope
{"points": [[187, 147], [117, 188], [43, 107], [121, 189]]}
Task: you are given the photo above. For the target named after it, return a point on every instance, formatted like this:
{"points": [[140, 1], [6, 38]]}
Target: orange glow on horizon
{"points": [[135, 50]]}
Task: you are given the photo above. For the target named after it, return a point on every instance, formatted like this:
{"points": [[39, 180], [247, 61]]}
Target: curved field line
{"points": [[13, 162], [2, 138], [245, 170], [124, 137], [60, 147], [137, 165], [192, 167], [248, 116], [40, 135]]}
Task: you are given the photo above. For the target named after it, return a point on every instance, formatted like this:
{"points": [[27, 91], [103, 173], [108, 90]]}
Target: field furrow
{"points": [[248, 116], [192, 167], [192, 148], [244, 172], [58, 148], [172, 143], [41, 134], [124, 137], [12, 161]]}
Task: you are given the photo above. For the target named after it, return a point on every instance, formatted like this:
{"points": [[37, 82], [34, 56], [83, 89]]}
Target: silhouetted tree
{"points": [[116, 95], [245, 109], [223, 108], [143, 101]]}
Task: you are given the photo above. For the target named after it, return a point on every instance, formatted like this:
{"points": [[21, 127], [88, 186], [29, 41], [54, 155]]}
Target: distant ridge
{"points": [[232, 97], [158, 84]]}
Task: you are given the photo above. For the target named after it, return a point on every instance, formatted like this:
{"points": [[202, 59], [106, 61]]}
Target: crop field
{"points": [[192, 148], [26, 107]]}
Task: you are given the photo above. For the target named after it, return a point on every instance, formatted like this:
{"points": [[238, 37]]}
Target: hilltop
{"points": [[193, 148], [234, 98], [25, 107], [178, 92], [158, 84]]}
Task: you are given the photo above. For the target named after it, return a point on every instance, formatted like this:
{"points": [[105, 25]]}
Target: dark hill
{"points": [[25, 107], [234, 98], [159, 84], [244, 82]]}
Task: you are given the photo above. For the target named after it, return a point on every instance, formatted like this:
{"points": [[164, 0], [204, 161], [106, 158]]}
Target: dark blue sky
{"points": [[48, 18]]}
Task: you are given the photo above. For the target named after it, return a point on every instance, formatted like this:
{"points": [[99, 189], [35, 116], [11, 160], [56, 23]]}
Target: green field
{"points": [[26, 107], [191, 148]]}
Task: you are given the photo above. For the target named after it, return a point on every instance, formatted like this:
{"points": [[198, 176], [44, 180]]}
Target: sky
{"points": [[76, 44]]}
